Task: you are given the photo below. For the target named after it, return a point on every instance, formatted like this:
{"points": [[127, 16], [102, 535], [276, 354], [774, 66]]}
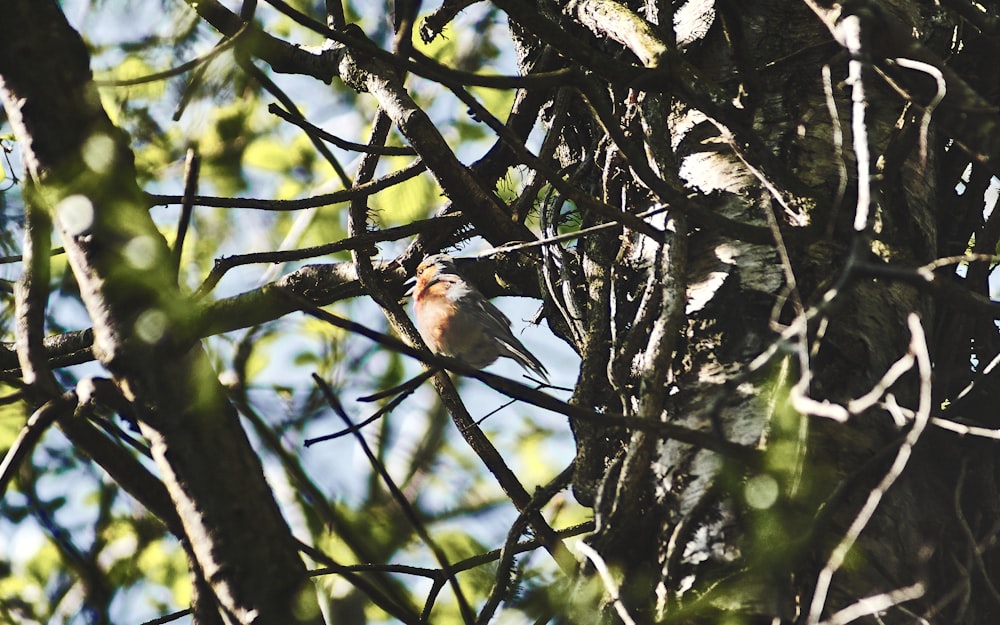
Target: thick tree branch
{"points": [[320, 284], [624, 26]]}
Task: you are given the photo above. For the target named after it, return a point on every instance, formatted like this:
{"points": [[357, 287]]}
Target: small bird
{"points": [[455, 319]]}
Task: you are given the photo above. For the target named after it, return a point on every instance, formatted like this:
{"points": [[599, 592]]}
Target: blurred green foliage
{"points": [[66, 530]]}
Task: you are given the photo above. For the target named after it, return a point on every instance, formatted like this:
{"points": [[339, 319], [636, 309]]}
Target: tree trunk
{"points": [[762, 303], [809, 173]]}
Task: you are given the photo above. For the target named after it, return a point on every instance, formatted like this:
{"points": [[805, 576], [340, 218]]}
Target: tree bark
{"points": [[767, 174], [689, 531]]}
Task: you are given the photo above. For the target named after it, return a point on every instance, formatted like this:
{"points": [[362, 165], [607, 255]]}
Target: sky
{"points": [[340, 463]]}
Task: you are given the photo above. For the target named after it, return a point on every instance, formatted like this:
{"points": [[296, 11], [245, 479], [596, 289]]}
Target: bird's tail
{"points": [[517, 351]]}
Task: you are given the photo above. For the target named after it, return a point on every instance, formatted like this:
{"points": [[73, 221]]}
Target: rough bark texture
{"points": [[769, 175], [680, 523], [83, 170]]}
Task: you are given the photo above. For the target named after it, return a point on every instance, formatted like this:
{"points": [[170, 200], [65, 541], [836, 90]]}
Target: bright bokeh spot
{"points": [[140, 252], [151, 325], [99, 153], [761, 491], [76, 213]]}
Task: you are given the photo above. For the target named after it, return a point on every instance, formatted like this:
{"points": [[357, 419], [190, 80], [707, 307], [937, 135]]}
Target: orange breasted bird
{"points": [[455, 319]]}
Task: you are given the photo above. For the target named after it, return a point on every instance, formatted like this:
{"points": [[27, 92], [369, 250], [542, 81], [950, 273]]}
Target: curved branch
{"points": [[141, 321]]}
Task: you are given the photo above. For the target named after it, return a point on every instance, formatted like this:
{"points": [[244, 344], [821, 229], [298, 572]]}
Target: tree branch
{"points": [[142, 323]]}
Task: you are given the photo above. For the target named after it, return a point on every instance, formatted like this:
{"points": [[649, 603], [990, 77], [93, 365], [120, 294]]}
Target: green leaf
{"points": [[414, 199]]}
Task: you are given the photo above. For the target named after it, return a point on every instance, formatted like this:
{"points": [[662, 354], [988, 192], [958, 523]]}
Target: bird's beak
{"points": [[410, 284]]}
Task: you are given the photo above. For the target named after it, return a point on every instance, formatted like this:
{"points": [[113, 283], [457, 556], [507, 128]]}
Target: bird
{"points": [[455, 320]]}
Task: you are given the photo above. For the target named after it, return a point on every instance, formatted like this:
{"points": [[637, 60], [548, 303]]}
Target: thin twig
{"points": [[418, 526], [528, 545], [838, 147], [222, 46], [192, 165], [223, 265], [918, 346], [334, 139], [31, 434], [569, 236], [404, 388], [965, 430], [852, 31], [609, 582], [875, 604], [942, 89], [326, 199], [407, 390], [974, 547], [403, 569], [31, 296], [404, 614], [16, 258], [272, 87], [525, 156], [535, 397], [501, 579], [893, 373], [168, 618]]}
